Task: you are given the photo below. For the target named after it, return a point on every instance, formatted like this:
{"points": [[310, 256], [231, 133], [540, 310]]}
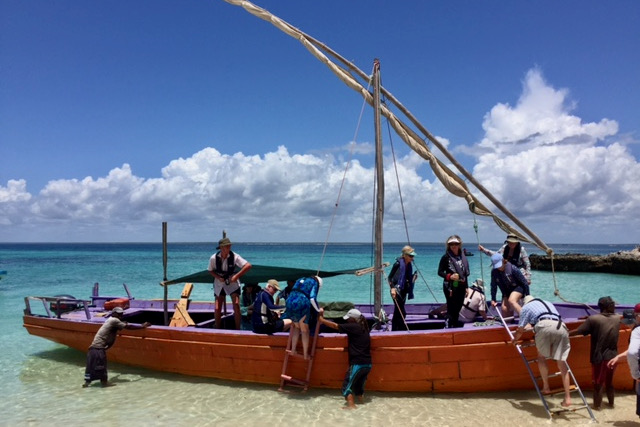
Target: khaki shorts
{"points": [[552, 342]]}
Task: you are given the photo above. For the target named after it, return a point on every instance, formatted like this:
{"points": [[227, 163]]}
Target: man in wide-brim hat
{"points": [[227, 268]]}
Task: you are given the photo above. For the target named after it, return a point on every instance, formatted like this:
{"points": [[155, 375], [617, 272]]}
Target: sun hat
{"points": [[636, 309], [117, 310], [274, 283], [225, 241], [408, 250], [527, 299], [512, 238], [354, 313], [452, 239], [479, 283], [496, 260]]}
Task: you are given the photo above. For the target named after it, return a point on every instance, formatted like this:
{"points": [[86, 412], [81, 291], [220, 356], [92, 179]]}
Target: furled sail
{"points": [[451, 181]]}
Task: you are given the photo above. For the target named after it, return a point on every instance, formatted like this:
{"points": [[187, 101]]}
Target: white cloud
{"points": [[568, 180], [540, 160]]}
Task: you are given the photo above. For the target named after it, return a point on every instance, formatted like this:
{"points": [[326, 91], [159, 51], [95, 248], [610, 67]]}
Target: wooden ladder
{"points": [[574, 386], [285, 377]]}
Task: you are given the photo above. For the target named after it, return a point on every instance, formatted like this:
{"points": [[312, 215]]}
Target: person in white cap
{"points": [[104, 339], [359, 348], [227, 268], [454, 270]]}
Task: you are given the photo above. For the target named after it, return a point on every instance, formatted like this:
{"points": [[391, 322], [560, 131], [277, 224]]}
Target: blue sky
{"points": [[118, 115]]}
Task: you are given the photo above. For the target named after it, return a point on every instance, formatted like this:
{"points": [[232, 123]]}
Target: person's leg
{"points": [[220, 300], [608, 385], [566, 382], [544, 373], [597, 396], [235, 300], [87, 371], [295, 333], [351, 403], [397, 323], [304, 333], [638, 398], [514, 301], [506, 308]]}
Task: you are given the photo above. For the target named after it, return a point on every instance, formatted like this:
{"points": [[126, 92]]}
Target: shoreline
{"points": [[621, 262]]}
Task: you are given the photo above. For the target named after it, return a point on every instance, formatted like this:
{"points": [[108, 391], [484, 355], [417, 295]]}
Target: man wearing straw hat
{"points": [[227, 268], [552, 341]]}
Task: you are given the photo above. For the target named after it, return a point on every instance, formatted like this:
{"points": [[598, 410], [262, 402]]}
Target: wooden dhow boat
{"points": [[424, 358]]}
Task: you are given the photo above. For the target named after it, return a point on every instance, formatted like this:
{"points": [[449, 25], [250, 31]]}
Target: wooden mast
{"points": [[379, 205]]}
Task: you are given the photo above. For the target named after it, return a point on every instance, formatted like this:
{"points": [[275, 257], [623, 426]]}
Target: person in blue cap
{"points": [[511, 282]]}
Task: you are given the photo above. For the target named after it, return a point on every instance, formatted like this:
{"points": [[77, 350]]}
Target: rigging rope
{"points": [[344, 177]]}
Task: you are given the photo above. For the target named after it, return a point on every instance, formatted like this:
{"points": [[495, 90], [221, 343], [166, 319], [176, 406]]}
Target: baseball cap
{"points": [[354, 313]]}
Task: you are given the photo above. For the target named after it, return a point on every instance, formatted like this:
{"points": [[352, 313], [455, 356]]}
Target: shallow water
{"points": [[41, 381]]}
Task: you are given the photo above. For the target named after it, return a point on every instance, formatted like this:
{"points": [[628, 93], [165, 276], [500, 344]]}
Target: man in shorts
{"points": [[227, 268], [552, 340]]}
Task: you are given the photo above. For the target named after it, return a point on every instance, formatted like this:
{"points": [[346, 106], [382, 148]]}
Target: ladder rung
{"points": [[294, 381], [560, 390], [569, 409], [296, 354]]}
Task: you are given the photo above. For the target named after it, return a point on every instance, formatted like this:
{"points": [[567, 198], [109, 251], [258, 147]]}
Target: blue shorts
{"points": [[354, 380]]}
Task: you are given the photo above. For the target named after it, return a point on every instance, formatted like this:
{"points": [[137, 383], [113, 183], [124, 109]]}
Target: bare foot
{"points": [[565, 404], [546, 391], [351, 404]]}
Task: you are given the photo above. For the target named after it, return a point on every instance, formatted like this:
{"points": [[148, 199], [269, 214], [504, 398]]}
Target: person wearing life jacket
{"points": [[227, 268], [474, 304], [513, 251], [552, 340], [265, 317], [454, 270], [401, 281]]}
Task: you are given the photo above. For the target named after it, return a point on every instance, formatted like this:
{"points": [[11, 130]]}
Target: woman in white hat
{"points": [[454, 269]]}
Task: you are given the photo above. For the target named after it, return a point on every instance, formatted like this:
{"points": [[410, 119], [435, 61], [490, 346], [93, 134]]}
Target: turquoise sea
{"points": [[40, 380]]}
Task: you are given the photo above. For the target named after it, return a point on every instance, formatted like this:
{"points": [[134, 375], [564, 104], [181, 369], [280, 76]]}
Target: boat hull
{"points": [[442, 361]]}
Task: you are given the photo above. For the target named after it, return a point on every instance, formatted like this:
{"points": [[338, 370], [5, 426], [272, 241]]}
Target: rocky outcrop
{"points": [[622, 262]]}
